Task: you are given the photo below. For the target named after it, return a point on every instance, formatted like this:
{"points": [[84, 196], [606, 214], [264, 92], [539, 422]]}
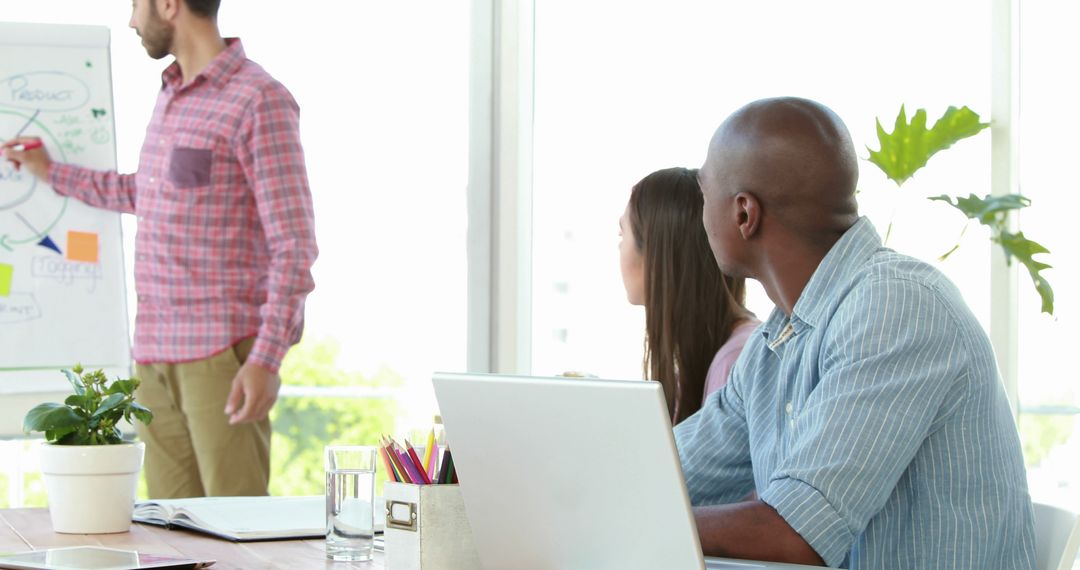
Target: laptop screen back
{"points": [[568, 473]]}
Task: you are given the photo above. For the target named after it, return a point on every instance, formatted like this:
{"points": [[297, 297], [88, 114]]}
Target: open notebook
{"points": [[245, 518]]}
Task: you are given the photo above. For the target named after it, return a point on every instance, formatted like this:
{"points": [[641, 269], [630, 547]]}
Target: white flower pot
{"points": [[91, 488]]}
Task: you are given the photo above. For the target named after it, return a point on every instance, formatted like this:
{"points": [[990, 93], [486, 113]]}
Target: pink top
{"points": [[725, 358]]}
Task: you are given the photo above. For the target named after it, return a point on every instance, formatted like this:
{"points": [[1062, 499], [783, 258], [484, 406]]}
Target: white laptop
{"points": [[570, 473]]}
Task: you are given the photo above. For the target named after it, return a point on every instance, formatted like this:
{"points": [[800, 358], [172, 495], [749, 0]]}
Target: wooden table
{"points": [[30, 529]]}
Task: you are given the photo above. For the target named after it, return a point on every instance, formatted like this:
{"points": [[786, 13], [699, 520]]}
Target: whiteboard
{"points": [[62, 297]]}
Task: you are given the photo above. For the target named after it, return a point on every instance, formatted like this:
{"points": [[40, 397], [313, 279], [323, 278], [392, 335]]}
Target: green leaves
{"points": [[910, 146], [123, 386], [89, 416], [142, 414], [76, 381], [992, 211], [51, 416], [78, 401], [1018, 246], [108, 404]]}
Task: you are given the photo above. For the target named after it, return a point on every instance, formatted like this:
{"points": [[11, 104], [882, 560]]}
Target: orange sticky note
{"points": [[6, 271], [82, 246]]}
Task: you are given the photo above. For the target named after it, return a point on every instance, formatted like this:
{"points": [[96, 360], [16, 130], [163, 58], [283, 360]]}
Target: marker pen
{"points": [[23, 147]]}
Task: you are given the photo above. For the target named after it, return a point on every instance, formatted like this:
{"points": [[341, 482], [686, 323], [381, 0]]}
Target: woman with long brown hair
{"points": [[695, 319]]}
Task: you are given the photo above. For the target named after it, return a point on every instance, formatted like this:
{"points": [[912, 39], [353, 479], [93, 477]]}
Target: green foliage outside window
{"points": [[33, 486], [304, 425], [1042, 433]]}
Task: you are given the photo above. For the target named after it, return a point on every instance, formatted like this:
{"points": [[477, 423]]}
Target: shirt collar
{"points": [[218, 72], [845, 258]]}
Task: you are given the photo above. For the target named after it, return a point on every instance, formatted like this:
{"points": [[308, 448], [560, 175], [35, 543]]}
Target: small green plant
{"points": [[89, 416]]}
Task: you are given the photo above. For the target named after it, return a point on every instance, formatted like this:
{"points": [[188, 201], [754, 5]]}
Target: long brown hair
{"points": [[690, 306]]}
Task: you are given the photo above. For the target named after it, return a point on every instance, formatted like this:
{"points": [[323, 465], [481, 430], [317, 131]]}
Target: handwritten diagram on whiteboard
{"points": [[62, 297]]}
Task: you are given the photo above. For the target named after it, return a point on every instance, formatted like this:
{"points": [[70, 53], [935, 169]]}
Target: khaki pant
{"points": [[191, 450]]}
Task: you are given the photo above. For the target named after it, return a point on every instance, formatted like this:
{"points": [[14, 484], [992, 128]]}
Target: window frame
{"points": [[500, 187]]}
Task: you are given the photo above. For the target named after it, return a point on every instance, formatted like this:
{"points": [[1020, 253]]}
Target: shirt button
{"points": [[161, 141], [152, 179], [789, 408]]}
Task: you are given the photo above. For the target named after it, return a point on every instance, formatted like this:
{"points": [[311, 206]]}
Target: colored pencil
{"points": [[434, 465], [427, 452], [446, 471], [410, 467], [420, 470], [442, 466], [390, 473], [452, 476], [402, 473]]}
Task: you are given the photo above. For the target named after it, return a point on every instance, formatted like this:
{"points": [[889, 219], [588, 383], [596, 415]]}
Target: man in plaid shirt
{"points": [[223, 252]]}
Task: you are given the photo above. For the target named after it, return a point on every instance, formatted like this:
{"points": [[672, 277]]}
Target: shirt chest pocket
{"points": [[191, 160]]}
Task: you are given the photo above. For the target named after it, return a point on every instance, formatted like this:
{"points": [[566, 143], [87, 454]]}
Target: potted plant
{"points": [[90, 472]]}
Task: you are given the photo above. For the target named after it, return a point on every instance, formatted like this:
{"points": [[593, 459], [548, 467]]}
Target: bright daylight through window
{"points": [[385, 134], [620, 90]]}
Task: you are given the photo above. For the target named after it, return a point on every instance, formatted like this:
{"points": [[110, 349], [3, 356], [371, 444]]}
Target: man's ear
{"points": [[748, 213], [168, 9]]}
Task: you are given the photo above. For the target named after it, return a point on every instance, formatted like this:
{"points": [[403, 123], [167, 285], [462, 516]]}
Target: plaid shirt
{"points": [[226, 235]]}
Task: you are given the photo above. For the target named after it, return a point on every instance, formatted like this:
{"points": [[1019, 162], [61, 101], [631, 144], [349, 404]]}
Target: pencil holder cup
{"points": [[426, 528]]}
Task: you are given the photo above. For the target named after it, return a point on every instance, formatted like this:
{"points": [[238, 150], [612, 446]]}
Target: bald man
{"points": [[867, 410]]}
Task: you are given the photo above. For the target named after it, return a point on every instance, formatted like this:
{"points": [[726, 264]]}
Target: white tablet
{"points": [[95, 558]]}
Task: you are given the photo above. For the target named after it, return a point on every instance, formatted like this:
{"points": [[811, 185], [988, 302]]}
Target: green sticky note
{"points": [[6, 271]]}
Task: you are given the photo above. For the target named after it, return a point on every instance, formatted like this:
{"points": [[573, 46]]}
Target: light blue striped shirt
{"points": [[879, 430]]}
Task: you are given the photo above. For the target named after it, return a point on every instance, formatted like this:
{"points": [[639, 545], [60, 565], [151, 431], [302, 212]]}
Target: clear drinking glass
{"points": [[350, 494]]}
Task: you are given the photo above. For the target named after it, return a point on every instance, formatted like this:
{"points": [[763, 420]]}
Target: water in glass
{"points": [[349, 517]]}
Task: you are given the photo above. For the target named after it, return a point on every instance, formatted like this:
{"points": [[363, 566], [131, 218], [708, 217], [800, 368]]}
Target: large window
{"points": [[383, 92], [384, 99], [623, 89], [618, 90], [1049, 391]]}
